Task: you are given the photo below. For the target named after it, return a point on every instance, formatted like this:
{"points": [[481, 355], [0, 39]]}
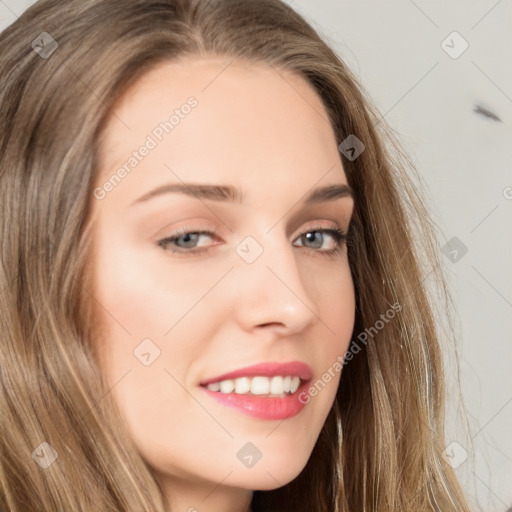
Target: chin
{"points": [[271, 472]]}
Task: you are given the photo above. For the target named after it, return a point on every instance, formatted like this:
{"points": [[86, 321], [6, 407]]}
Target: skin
{"points": [[268, 134]]}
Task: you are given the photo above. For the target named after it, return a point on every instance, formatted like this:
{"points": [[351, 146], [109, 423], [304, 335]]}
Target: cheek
{"points": [[336, 300], [130, 297], [141, 292], [149, 311], [143, 314], [336, 305]]}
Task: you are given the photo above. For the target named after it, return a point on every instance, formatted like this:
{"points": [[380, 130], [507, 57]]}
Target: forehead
{"points": [[213, 79], [250, 121]]}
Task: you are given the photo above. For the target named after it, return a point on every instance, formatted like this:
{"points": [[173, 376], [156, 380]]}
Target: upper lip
{"points": [[271, 369]]}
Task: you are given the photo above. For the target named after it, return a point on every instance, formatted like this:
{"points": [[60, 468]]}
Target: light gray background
{"points": [[428, 98]]}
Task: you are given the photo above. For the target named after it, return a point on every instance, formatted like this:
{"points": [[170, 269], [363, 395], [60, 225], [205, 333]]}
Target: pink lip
{"points": [[301, 370], [268, 408]]}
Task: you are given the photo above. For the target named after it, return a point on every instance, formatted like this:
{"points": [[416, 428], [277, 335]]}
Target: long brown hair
{"points": [[380, 448]]}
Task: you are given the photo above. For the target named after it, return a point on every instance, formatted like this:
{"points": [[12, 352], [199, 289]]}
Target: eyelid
{"points": [[209, 230]]}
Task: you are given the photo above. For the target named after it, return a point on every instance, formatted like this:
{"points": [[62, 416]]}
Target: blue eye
{"points": [[338, 235], [189, 238], [184, 241]]}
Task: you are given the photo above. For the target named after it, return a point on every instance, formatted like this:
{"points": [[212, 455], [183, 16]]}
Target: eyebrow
{"points": [[229, 193]]}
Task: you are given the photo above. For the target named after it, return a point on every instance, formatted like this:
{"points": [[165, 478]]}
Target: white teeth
{"points": [[242, 385], [227, 386], [260, 385], [276, 386]]}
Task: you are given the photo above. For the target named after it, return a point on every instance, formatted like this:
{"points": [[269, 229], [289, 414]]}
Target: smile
{"points": [[267, 391], [279, 385]]}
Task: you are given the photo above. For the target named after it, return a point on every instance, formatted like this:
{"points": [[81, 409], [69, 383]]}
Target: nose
{"points": [[272, 292]]}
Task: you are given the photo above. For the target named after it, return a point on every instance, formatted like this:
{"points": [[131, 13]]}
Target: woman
{"points": [[252, 371]]}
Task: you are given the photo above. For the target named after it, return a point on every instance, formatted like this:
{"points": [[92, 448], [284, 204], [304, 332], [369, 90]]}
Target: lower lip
{"points": [[267, 408]]}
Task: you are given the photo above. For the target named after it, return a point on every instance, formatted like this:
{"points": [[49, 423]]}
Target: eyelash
{"points": [[339, 236]]}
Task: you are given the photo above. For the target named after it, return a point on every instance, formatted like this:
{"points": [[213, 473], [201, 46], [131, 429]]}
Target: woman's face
{"points": [[258, 287]]}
